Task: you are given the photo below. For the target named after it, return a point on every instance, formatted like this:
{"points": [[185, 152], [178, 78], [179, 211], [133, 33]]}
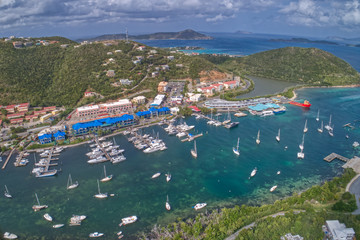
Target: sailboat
{"points": [[100, 195], [321, 129], [7, 193], [167, 204], [305, 127], [253, 172], [168, 177], [70, 184], [300, 154], [258, 138], [39, 206], [328, 126], [236, 150], [317, 116], [106, 177], [301, 146], [331, 133], [194, 151], [278, 136]]}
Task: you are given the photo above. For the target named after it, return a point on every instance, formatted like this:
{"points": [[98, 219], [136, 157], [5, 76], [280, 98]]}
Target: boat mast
{"points": [[6, 189], [279, 133], [104, 171], [195, 147], [37, 199], [237, 147], [98, 186], [258, 135]]}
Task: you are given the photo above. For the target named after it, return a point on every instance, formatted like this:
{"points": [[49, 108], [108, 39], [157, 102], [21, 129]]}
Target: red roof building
{"points": [[195, 108], [15, 115], [30, 117], [52, 108], [23, 107], [231, 84], [10, 108], [41, 112], [16, 120]]}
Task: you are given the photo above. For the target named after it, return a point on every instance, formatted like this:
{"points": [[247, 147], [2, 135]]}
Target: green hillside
{"points": [[304, 65], [55, 75]]}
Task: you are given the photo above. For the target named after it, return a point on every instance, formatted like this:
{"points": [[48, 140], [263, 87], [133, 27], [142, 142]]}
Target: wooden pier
{"points": [[191, 138], [18, 159], [333, 156], [7, 160], [103, 149]]}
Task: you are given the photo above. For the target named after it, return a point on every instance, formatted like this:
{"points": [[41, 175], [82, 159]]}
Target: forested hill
{"points": [[59, 75], [304, 65]]}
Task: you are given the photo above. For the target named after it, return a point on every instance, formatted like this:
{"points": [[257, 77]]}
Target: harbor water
{"points": [[218, 176]]}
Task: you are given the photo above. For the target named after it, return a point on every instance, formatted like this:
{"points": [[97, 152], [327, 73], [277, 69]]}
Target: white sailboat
{"points": [[300, 154], [328, 126], [321, 129], [39, 206], [70, 184], [7, 193], [253, 172], [48, 217], [167, 204], [100, 195], [318, 115], [273, 188], [236, 150], [194, 151], [106, 177], [258, 138], [331, 133], [156, 175], [305, 127], [168, 177], [301, 146], [199, 206], [278, 136]]}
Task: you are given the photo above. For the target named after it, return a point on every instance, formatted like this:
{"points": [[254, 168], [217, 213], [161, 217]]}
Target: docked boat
{"points": [[106, 177], [128, 220], [253, 172], [236, 150], [199, 206], [118, 159], [48, 217], [58, 225], [280, 110], [181, 134], [70, 184], [167, 204], [240, 114], [273, 188], [258, 138], [231, 125], [8, 235], [305, 127], [266, 113], [321, 129], [49, 173], [156, 175], [168, 177], [96, 235], [97, 160], [7, 193], [194, 151], [306, 104], [38, 207], [278, 136], [318, 115], [100, 195]]}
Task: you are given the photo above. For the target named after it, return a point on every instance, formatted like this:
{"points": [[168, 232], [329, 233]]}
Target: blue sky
{"points": [[78, 18]]}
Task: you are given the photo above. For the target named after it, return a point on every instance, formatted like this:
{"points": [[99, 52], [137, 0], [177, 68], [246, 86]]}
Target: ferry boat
{"points": [[266, 113], [273, 188], [8, 235], [280, 110], [48, 217], [96, 234], [306, 104], [199, 206], [58, 225], [128, 220]]}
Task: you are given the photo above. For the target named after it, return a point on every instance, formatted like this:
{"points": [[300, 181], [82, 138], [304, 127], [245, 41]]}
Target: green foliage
{"points": [[17, 129], [185, 111]]}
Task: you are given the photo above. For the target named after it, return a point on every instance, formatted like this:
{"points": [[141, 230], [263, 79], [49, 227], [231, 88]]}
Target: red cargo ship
{"points": [[306, 104]]}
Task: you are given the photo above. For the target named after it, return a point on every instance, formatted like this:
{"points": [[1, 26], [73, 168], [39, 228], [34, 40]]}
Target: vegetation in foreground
{"points": [[305, 214]]}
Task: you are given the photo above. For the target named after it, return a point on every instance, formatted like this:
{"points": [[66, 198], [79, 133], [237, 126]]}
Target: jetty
{"points": [[18, 159], [108, 158], [7, 160], [333, 156], [190, 138]]}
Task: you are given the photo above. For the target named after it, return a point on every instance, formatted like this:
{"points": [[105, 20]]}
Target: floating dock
{"points": [[333, 156], [18, 159]]}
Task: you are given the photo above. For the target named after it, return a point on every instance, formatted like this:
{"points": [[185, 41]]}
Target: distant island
{"points": [[187, 34], [304, 40]]}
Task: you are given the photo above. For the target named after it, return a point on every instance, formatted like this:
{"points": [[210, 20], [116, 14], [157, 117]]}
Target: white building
{"points": [[158, 100], [338, 231], [121, 106], [194, 97], [139, 100]]}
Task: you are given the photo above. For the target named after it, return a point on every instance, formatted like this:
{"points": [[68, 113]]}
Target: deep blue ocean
{"points": [[217, 177]]}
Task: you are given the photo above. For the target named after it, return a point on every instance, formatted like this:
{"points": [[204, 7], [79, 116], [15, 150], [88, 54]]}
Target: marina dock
{"points": [[102, 149], [191, 138], [18, 159], [7, 160], [333, 156]]}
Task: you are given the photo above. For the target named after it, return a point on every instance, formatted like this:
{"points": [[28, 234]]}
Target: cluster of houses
{"points": [[210, 90], [52, 134], [29, 43]]}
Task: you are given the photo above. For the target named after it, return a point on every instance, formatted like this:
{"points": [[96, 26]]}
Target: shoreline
{"points": [[338, 86]]}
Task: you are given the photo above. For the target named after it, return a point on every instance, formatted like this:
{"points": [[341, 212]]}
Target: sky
{"points": [[84, 18]]}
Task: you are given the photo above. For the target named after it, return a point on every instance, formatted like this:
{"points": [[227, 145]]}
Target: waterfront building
{"points": [[194, 97], [231, 84], [45, 138], [59, 135], [334, 230], [121, 106], [158, 100], [143, 114], [207, 91], [219, 103]]}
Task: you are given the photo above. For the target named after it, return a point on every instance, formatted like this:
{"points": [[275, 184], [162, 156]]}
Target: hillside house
{"points": [[110, 73], [139, 100], [165, 67], [89, 94], [125, 82], [154, 74], [17, 44], [170, 58], [231, 84], [162, 87]]}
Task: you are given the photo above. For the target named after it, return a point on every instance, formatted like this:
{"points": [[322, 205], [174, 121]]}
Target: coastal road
{"points": [[355, 189]]}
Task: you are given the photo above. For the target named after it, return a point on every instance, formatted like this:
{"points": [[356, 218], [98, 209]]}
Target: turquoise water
{"points": [[217, 176]]}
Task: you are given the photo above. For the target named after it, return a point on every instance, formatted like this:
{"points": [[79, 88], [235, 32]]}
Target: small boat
{"points": [[167, 204], [128, 220], [7, 193], [8, 235], [48, 217], [39, 206], [278, 172], [236, 150], [168, 177], [328, 126], [273, 188], [156, 175], [318, 115], [355, 144], [278, 136], [232, 124], [301, 146], [321, 129], [119, 233], [100, 195], [106, 177], [300, 154], [194, 151], [76, 220], [199, 206], [96, 234], [253, 172], [58, 225], [305, 127], [331, 133], [70, 184], [258, 138]]}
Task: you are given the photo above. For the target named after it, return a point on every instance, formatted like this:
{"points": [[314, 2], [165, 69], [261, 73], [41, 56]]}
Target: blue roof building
{"points": [[45, 138], [59, 135], [144, 114]]}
